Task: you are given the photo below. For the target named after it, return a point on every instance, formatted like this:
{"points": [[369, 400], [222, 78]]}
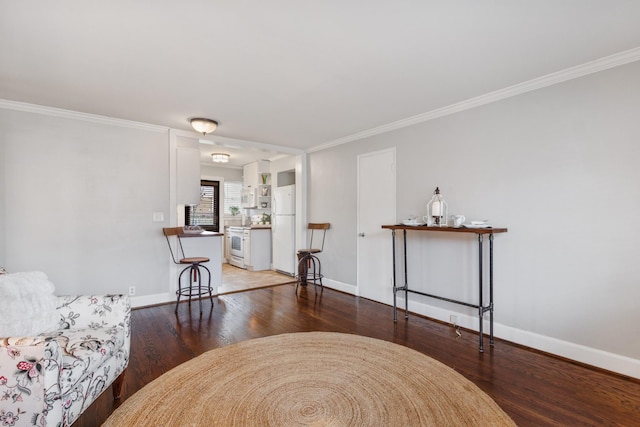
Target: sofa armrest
{"points": [[30, 369], [93, 311]]}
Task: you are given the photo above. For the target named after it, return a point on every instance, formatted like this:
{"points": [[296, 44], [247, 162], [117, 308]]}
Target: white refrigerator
{"points": [[283, 228]]}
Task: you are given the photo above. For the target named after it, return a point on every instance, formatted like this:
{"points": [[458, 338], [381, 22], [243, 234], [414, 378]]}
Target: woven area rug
{"points": [[311, 379]]}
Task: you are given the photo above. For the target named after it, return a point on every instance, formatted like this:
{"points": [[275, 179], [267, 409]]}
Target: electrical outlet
{"points": [[453, 319], [132, 291]]}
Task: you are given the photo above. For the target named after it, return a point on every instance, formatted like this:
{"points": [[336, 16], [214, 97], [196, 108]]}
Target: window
{"points": [[207, 213], [232, 193]]}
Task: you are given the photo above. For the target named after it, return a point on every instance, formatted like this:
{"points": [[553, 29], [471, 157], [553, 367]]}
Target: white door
{"points": [[376, 207]]}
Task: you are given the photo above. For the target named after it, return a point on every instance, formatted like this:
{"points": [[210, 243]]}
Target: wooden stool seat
{"points": [[309, 251], [194, 260]]}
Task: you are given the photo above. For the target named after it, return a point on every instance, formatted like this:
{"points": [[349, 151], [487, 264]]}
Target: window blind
{"points": [[232, 195]]}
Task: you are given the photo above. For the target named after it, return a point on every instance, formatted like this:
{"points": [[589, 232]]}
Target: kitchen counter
{"points": [[202, 234]]}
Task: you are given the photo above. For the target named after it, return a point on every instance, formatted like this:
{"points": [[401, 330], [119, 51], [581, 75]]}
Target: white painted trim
{"points": [[172, 279], [591, 67], [591, 356], [146, 300], [68, 114], [338, 286], [95, 118], [301, 200], [579, 353]]}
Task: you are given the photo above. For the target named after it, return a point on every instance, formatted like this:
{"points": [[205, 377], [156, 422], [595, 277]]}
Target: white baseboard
{"points": [[146, 300], [339, 286], [579, 353], [591, 356]]}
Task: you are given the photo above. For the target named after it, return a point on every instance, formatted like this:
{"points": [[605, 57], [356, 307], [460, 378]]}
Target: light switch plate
{"points": [[158, 217]]}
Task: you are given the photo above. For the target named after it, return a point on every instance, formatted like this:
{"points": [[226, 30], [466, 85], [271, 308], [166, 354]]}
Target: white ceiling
{"points": [[293, 73]]}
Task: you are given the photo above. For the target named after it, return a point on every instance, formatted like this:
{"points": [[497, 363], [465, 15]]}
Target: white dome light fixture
{"points": [[220, 157], [204, 126]]}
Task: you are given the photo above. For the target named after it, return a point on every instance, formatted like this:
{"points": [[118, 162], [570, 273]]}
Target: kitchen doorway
{"points": [[376, 207], [236, 279]]}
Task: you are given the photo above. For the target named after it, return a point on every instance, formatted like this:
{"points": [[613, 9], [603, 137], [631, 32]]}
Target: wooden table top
{"points": [[488, 230]]}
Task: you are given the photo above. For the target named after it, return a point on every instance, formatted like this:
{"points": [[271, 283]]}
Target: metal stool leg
{"points": [[195, 274], [197, 271], [316, 274], [303, 270], [209, 288], [180, 292], [309, 270]]}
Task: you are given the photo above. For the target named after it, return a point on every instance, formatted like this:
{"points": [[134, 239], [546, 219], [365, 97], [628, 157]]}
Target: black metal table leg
{"points": [[395, 288], [406, 282], [491, 289], [480, 305]]}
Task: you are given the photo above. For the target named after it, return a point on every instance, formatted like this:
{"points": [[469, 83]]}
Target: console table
{"points": [[480, 233]]}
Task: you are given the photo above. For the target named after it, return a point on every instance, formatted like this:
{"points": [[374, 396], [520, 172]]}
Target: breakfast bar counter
{"points": [[207, 244], [201, 234], [480, 232]]}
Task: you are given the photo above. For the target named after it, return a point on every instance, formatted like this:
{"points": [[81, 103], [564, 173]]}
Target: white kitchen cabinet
{"points": [[227, 244], [246, 246], [257, 249], [257, 177], [251, 173]]}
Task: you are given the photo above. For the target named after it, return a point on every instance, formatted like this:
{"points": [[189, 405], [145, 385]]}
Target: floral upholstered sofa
{"points": [[57, 354]]}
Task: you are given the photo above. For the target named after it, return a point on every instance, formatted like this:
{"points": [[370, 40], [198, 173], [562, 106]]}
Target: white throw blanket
{"points": [[28, 304]]}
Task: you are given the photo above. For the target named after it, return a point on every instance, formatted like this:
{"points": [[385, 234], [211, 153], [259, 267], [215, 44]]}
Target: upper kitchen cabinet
{"points": [[253, 173], [257, 183]]}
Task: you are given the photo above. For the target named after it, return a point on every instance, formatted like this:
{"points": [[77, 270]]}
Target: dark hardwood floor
{"points": [[534, 389]]}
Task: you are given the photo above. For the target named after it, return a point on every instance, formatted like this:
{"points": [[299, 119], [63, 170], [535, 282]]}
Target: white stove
{"points": [[236, 246]]}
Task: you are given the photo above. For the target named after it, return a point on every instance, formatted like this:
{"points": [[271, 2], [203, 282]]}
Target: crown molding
{"points": [[611, 61], [69, 114]]}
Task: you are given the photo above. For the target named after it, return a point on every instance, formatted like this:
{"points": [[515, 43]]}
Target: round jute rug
{"points": [[311, 379]]}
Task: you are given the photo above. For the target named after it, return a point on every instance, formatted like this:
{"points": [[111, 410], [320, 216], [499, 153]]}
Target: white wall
{"points": [[227, 174], [3, 206], [559, 168], [78, 201]]}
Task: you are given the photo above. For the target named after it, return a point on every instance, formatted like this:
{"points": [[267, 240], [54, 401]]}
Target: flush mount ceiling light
{"points": [[204, 126], [220, 157]]}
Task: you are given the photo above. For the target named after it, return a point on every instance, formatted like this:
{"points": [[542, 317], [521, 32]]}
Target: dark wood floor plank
{"points": [[535, 389]]}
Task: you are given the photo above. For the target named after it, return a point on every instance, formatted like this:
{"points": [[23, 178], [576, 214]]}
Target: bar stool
{"points": [[309, 267], [193, 266]]}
